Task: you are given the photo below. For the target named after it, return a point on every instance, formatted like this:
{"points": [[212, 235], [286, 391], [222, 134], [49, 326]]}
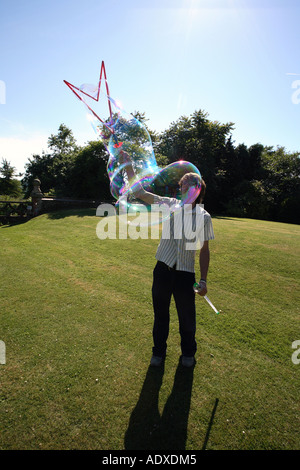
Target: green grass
{"points": [[76, 319]]}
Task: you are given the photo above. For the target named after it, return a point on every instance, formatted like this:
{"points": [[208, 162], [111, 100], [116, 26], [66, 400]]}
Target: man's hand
{"points": [[203, 288]]}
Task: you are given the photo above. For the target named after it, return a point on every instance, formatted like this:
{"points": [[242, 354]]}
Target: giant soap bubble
{"points": [[121, 131]]}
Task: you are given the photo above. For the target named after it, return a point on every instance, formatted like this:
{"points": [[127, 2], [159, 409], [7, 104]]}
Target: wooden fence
{"points": [[14, 210], [11, 211]]}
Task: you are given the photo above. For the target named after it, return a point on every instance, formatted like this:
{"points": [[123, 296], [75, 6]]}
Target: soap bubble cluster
{"points": [[122, 132]]}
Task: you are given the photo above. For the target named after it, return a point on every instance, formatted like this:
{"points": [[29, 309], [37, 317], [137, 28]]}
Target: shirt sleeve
{"points": [[169, 201]]}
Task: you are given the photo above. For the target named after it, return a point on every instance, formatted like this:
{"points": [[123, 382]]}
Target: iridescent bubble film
{"points": [[121, 131]]}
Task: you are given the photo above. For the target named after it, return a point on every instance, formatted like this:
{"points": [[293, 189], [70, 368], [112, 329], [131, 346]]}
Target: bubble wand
{"points": [[196, 290]]}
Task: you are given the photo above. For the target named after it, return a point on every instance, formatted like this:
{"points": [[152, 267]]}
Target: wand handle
{"points": [[196, 289]]}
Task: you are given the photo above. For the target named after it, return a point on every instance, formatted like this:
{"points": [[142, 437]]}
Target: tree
{"points": [[62, 143], [88, 177], [9, 185], [53, 168], [282, 183], [202, 142], [256, 181]]}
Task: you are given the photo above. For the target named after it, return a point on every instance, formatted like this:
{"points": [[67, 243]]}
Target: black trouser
{"points": [[167, 281]]}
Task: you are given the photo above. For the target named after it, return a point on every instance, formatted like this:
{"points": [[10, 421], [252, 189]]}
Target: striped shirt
{"points": [[183, 232]]}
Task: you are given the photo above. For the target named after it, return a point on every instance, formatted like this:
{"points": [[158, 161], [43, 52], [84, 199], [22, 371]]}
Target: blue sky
{"points": [[232, 58]]}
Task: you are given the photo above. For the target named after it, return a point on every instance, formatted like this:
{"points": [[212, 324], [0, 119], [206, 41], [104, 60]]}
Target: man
{"points": [[174, 273]]}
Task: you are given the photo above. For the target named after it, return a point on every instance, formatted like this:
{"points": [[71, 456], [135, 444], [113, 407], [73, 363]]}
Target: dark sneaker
{"points": [[156, 361], [187, 361]]}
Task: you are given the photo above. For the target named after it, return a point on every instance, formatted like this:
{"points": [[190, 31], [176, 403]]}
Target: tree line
{"points": [[257, 182]]}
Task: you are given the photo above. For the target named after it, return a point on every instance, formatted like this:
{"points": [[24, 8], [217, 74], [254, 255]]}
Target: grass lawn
{"points": [[76, 320]]}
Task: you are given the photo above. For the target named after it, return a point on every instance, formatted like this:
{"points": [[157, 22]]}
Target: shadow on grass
{"points": [[210, 424], [61, 214], [224, 217], [12, 222], [147, 430]]}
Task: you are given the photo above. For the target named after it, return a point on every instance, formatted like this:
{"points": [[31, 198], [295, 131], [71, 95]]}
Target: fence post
{"points": [[36, 197]]}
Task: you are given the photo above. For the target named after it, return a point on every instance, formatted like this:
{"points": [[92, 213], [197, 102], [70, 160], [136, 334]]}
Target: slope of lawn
{"points": [[76, 320]]}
